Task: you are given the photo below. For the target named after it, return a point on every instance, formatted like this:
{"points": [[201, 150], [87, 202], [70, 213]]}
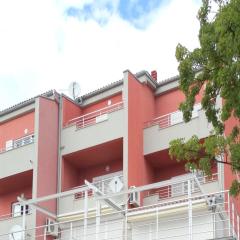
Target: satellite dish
{"points": [[74, 90], [16, 233], [116, 185]]}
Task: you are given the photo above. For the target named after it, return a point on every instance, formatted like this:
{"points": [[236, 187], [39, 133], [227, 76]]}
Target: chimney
{"points": [[154, 75]]}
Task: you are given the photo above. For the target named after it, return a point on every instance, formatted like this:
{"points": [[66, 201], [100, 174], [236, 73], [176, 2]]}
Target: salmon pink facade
{"points": [[64, 162]]}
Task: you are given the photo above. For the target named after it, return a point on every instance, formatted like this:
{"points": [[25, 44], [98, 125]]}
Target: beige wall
{"points": [[17, 160]]}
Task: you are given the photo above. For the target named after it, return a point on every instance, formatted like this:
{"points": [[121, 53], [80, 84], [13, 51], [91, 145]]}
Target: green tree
{"points": [[214, 67]]}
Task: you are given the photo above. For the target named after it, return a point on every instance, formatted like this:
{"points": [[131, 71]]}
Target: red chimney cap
{"points": [[154, 75]]}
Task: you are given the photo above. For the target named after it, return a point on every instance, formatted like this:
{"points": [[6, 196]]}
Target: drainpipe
{"points": [[59, 176]]}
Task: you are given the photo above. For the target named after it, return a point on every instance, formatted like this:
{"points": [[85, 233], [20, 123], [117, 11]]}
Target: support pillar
{"points": [[24, 221], [85, 215], [190, 224]]}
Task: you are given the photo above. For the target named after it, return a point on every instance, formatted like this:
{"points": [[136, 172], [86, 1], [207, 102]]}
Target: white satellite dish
{"points": [[116, 185], [74, 90], [16, 233]]}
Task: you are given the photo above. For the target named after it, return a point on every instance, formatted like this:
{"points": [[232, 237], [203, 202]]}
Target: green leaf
{"points": [[213, 69], [235, 188]]}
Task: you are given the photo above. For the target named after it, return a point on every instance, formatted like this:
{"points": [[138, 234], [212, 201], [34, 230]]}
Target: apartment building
{"points": [[98, 167]]}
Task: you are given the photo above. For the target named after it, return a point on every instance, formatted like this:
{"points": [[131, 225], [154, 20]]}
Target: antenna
{"points": [[74, 90]]}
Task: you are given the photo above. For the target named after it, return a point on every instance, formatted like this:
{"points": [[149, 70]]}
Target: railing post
{"points": [[238, 228], [98, 212], [233, 222], [24, 221], [229, 216], [85, 214], [190, 231], [103, 187], [150, 232], [71, 233], [214, 225], [157, 224], [106, 230], [125, 219], [45, 233]]}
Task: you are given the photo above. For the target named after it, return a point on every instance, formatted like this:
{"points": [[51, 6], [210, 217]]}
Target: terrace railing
{"points": [[171, 119], [20, 142], [181, 188], [95, 117], [106, 186]]}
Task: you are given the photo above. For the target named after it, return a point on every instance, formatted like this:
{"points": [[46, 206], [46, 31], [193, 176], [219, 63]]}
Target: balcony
{"points": [[105, 125], [175, 191], [74, 204], [179, 215], [161, 130], [17, 156], [175, 214]]}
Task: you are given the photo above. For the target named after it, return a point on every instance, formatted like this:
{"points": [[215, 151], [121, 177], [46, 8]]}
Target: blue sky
{"points": [[49, 43], [131, 11]]}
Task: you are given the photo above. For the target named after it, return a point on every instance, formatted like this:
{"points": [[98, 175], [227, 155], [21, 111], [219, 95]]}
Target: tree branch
{"points": [[228, 163], [223, 162]]}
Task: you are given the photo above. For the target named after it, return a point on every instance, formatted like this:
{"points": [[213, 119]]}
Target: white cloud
{"points": [[41, 48]]}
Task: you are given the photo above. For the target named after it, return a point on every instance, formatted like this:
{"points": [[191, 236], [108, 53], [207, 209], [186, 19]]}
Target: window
{"points": [[17, 209]]}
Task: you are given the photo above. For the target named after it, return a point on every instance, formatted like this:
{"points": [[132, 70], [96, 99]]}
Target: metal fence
{"points": [[191, 216], [20, 142], [95, 117]]}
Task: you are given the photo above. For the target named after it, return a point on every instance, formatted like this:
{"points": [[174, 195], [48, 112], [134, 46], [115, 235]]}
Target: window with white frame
{"points": [[18, 209]]}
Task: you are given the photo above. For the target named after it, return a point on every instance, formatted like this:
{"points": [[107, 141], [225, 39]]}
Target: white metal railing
{"points": [[12, 215], [180, 189], [193, 224], [190, 222], [94, 117], [171, 119], [235, 219], [106, 186], [19, 143], [110, 185]]}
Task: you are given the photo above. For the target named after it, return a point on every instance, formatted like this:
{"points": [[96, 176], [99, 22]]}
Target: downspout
{"points": [[59, 176]]}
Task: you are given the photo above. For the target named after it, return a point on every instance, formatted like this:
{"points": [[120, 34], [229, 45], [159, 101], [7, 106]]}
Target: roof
{"points": [[168, 80], [176, 78], [90, 94], [101, 90], [151, 80], [112, 85], [26, 103]]}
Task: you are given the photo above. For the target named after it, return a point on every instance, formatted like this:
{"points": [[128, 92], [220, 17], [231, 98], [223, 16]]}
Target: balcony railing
{"points": [[74, 203], [16, 214], [95, 117], [106, 186], [181, 188], [171, 119], [188, 217], [20, 142]]}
